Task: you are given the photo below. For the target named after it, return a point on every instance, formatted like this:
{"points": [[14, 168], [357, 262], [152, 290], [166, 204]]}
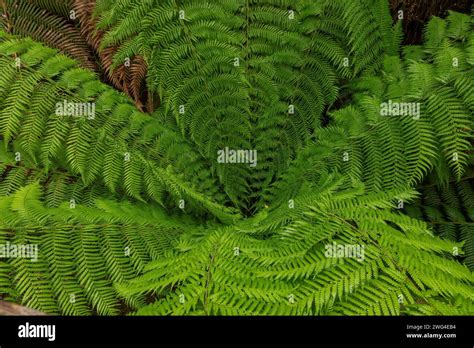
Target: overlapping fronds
{"points": [[418, 115], [398, 265], [128, 76], [448, 209], [264, 70], [67, 258], [70, 27], [107, 140], [30, 18], [336, 127]]}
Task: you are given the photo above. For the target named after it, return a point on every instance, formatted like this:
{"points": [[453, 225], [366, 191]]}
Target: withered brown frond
{"points": [[130, 78], [25, 19]]}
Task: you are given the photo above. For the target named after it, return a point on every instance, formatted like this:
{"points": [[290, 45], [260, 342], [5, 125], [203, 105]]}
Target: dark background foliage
{"points": [[417, 12]]}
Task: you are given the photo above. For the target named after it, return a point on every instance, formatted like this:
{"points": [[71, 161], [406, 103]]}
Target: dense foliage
{"points": [[133, 210]]}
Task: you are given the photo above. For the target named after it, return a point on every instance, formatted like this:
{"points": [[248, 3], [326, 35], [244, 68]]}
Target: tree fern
{"points": [[82, 251], [78, 132], [275, 74], [31, 19], [225, 272], [348, 209], [447, 207]]}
